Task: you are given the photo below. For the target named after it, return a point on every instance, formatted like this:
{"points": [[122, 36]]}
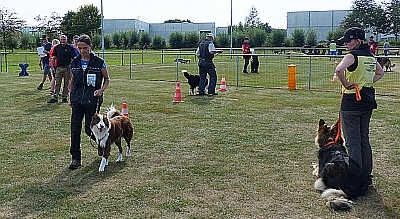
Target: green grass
{"points": [[246, 153]]}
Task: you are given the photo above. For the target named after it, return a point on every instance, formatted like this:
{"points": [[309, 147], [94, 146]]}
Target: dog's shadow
{"points": [[50, 195]]}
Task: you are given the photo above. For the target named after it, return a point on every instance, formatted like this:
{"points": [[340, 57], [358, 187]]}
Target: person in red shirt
{"points": [[373, 46], [246, 50]]}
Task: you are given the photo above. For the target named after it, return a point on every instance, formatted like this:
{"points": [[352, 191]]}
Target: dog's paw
{"points": [[103, 164], [316, 169], [128, 152], [119, 158]]}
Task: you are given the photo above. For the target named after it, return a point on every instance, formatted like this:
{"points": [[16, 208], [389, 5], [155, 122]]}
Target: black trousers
{"points": [[78, 113], [246, 62]]}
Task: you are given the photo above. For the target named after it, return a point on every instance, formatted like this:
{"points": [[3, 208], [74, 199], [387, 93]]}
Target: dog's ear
{"points": [[322, 125], [105, 120]]}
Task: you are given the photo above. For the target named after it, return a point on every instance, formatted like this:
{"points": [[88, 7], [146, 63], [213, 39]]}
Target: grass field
{"points": [[246, 153]]}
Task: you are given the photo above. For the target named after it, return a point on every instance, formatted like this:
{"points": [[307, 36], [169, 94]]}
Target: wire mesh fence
{"points": [[313, 72]]}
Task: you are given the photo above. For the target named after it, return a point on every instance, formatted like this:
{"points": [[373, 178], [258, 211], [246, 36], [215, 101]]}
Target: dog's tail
{"points": [[112, 112], [336, 199]]}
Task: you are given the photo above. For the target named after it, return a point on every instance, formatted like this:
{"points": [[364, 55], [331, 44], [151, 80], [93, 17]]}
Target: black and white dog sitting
{"points": [[193, 81], [254, 64], [340, 178]]}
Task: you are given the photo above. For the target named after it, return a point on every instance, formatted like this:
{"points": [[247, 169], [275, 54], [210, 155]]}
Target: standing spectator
{"points": [[75, 41], [246, 51], [358, 68], [206, 52], [89, 79], [63, 53], [373, 46], [386, 47], [53, 65], [45, 62], [332, 49]]}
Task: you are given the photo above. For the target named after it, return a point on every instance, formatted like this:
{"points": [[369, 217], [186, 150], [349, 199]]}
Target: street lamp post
{"points": [[102, 30], [231, 31]]}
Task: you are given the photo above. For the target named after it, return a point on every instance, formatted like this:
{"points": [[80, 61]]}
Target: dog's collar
{"points": [[329, 143]]}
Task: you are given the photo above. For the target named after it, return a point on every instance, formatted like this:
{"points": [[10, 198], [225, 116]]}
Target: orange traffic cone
{"points": [[222, 87], [178, 94], [124, 110]]}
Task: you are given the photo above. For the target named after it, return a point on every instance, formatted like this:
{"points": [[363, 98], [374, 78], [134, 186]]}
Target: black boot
{"points": [[40, 87]]}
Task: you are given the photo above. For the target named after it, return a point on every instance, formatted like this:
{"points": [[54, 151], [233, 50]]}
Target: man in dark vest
{"points": [[205, 52]]}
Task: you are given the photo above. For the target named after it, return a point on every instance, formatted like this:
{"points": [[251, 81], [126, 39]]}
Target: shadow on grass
{"points": [[49, 196]]}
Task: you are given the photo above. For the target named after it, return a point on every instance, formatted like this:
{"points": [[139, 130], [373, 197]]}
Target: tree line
{"points": [[378, 17]]}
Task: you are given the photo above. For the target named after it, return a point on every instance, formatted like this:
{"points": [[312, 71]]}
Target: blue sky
{"points": [[272, 12]]}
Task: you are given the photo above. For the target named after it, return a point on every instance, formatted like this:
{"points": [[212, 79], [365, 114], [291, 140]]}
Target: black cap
{"points": [[353, 33]]}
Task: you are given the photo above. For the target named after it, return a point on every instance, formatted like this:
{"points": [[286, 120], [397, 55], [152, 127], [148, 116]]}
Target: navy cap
{"points": [[353, 33]]}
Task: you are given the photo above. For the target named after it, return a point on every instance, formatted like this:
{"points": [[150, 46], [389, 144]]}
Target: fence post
{"points": [[142, 57], [177, 67], [237, 72], [130, 65], [162, 56], [122, 58], [309, 75]]}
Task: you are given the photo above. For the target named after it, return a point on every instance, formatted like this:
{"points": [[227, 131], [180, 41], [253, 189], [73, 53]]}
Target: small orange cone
{"points": [[178, 94], [222, 87], [124, 110]]}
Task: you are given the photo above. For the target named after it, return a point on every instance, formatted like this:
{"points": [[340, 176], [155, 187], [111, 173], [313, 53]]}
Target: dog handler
{"points": [[205, 52], [358, 70], [89, 79]]}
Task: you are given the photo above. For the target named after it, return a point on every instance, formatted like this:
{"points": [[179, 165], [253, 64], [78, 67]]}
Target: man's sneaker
{"points": [[64, 100], [40, 87], [52, 100], [75, 164]]}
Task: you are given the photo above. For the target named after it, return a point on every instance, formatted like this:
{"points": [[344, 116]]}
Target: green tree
{"points": [[393, 14], [335, 35], [257, 37], [107, 41], [191, 40], [159, 42], [144, 39], [117, 39], [277, 37], [133, 39], [27, 41], [298, 37], [222, 40], [176, 40], [96, 41], [311, 38], [49, 25], [253, 20], [87, 20], [10, 25], [67, 25]]}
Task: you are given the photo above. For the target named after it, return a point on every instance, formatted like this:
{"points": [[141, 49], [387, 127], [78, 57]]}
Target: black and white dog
{"points": [[340, 178], [193, 81]]}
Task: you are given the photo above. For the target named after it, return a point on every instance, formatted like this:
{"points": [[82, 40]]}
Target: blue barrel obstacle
{"points": [[23, 67]]}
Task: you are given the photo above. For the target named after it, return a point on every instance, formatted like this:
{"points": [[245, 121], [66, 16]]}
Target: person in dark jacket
{"points": [[63, 53], [205, 52], [358, 70], [89, 79]]}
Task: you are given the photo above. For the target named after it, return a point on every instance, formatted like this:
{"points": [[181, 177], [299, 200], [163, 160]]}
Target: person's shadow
{"points": [[372, 206], [47, 196]]}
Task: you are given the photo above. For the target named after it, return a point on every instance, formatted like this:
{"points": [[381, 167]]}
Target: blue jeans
{"points": [[213, 80], [355, 127]]}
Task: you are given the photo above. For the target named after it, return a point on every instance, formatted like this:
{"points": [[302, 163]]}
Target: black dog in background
{"points": [[254, 64], [193, 81]]}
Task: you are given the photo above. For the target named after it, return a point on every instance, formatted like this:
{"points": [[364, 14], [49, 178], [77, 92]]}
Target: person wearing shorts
{"points": [[45, 62]]}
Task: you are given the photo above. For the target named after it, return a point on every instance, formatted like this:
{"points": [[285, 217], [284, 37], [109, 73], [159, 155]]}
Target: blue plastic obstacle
{"points": [[23, 67]]}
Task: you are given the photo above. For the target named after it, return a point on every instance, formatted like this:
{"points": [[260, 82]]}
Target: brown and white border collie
{"points": [[109, 128]]}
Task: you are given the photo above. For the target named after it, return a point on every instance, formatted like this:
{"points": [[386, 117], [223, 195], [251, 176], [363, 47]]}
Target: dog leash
{"points": [[358, 99]]}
